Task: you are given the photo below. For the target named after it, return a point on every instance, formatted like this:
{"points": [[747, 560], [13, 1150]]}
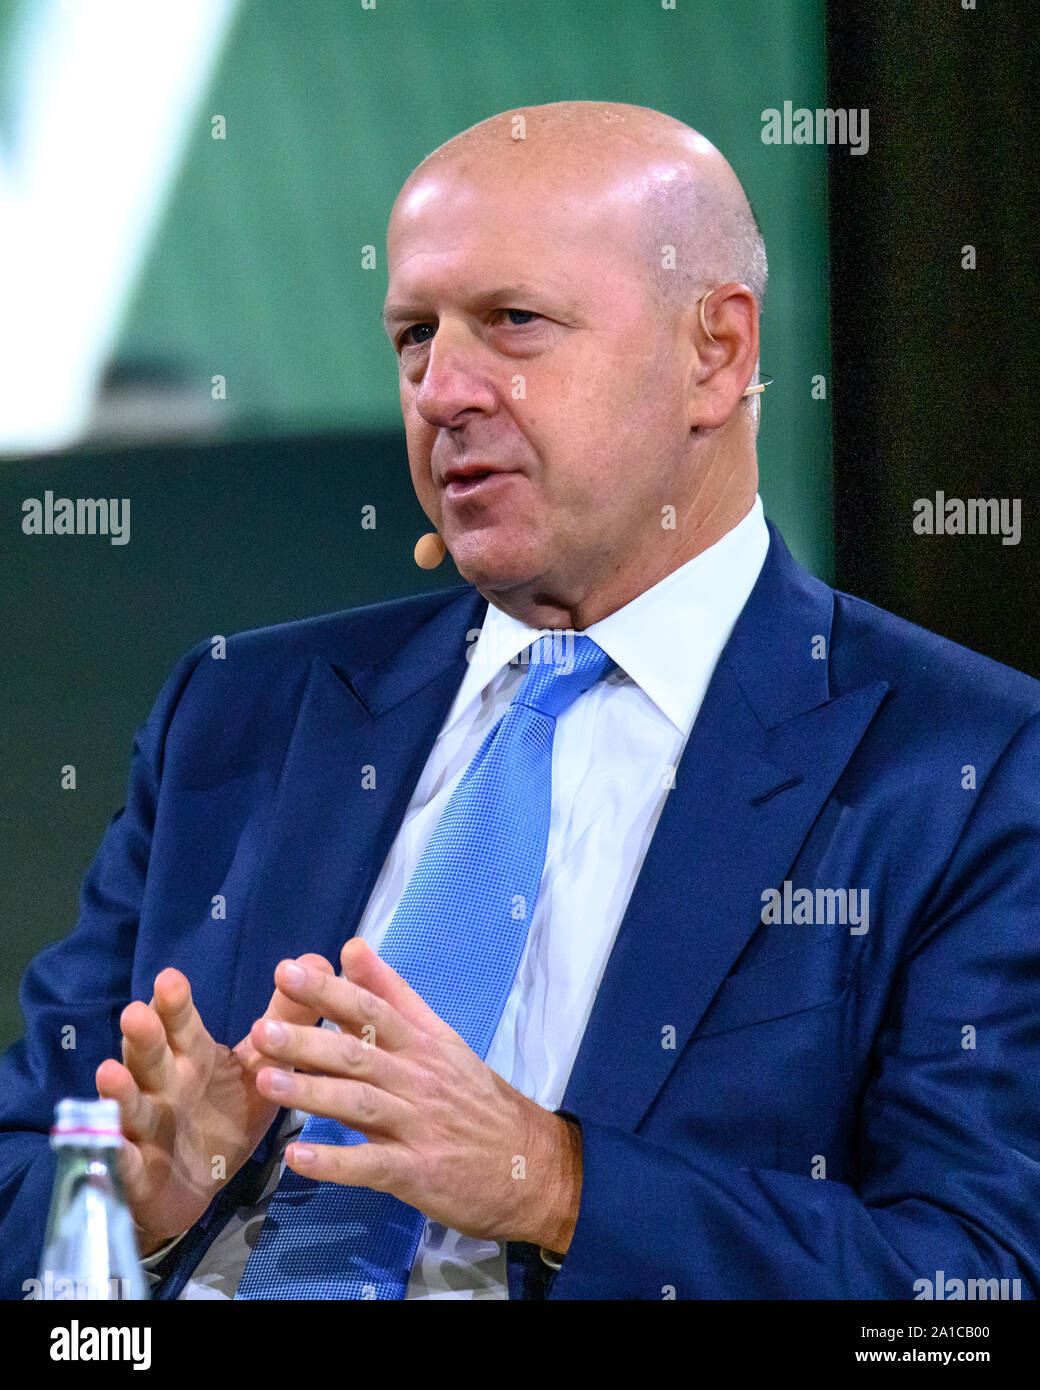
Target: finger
{"points": [[325, 1052], [137, 1117], [290, 1010], [283, 1009], [172, 1001], [354, 1165], [342, 1002], [133, 1176], [146, 1053], [137, 1189], [364, 968], [356, 1104]]}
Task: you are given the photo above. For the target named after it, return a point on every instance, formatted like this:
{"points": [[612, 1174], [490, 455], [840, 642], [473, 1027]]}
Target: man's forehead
{"points": [[507, 238], [549, 202]]}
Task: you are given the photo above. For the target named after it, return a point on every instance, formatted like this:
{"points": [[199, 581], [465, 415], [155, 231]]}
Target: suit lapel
{"points": [[328, 832], [764, 753]]}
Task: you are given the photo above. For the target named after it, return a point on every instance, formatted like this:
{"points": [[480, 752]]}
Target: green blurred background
{"points": [[247, 511]]}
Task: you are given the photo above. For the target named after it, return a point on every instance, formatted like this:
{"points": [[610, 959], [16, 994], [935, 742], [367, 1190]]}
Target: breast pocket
{"points": [[788, 983]]}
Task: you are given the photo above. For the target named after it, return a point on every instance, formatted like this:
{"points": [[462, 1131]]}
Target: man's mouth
{"points": [[476, 481]]}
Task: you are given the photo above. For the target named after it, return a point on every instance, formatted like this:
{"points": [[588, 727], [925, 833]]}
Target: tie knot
{"points": [[563, 665]]}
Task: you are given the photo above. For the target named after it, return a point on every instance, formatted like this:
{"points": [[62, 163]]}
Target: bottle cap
{"points": [[86, 1122]]}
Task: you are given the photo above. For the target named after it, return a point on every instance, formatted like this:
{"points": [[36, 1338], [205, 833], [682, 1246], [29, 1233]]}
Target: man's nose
{"points": [[456, 378]]}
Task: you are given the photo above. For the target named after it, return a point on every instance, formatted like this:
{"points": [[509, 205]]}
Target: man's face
{"points": [[529, 344]]}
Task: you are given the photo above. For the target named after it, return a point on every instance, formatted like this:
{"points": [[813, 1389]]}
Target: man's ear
{"points": [[723, 333]]}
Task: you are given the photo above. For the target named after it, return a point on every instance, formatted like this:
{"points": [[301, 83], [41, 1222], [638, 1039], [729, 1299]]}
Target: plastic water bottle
{"points": [[90, 1251]]}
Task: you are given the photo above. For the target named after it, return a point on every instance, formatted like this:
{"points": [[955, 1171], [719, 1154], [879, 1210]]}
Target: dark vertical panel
{"points": [[933, 363]]}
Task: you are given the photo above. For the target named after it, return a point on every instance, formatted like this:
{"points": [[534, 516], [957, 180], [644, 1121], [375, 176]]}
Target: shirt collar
{"points": [[668, 639]]}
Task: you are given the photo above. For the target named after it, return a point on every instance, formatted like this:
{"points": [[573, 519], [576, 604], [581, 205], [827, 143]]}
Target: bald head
{"points": [[692, 226], [575, 431]]}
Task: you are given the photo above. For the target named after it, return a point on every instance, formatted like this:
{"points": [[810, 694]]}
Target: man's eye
{"points": [[518, 318], [403, 341]]}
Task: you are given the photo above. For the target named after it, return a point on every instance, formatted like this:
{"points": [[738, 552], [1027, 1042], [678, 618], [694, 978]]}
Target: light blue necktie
{"points": [[457, 937]]}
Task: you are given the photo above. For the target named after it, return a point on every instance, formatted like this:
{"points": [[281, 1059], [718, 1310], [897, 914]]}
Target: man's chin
{"points": [[493, 564]]}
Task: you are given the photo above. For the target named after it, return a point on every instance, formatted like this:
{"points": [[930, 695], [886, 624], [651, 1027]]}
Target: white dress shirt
{"points": [[614, 757]]}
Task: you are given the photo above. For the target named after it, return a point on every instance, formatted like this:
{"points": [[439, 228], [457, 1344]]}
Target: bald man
{"points": [[766, 1026]]}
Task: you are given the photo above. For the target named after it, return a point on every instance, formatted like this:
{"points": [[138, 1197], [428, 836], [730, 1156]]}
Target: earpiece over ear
{"points": [[751, 390]]}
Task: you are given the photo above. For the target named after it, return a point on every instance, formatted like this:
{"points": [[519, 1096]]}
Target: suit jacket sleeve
{"points": [[948, 1124], [72, 996]]}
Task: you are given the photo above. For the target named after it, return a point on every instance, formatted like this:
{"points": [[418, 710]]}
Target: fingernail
{"points": [[279, 1081], [303, 1155], [295, 975], [274, 1033]]}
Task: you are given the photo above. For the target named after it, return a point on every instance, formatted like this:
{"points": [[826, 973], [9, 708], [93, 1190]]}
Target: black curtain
{"points": [[933, 384]]}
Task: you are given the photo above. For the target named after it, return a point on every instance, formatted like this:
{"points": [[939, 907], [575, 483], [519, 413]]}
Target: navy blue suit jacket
{"points": [[768, 1110]]}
